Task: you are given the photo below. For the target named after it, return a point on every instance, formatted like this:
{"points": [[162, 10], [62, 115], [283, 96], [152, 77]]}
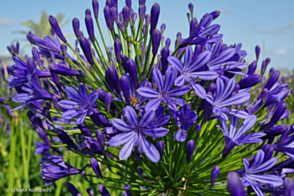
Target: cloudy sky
{"points": [[269, 23]]}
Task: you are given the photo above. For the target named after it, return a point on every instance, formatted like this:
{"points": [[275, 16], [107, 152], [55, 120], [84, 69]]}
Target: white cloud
{"points": [[225, 11], [281, 51], [7, 21], [291, 24], [274, 30]]}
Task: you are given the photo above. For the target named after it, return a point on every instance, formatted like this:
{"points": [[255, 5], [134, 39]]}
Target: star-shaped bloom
{"points": [[164, 93], [185, 118], [236, 136], [80, 103], [224, 98], [253, 173], [134, 132]]}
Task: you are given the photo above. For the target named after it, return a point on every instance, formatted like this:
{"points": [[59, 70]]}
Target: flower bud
{"points": [[114, 14], [234, 185], [121, 26], [215, 14], [267, 61], [132, 70], [147, 20], [142, 2], [95, 167], [108, 18], [189, 150], [95, 6], [111, 78], [56, 28], [108, 101], [252, 68], [155, 10], [117, 49], [128, 190], [288, 187], [214, 175], [156, 36], [164, 56], [273, 79], [167, 42], [193, 25], [250, 81], [162, 28], [257, 52], [36, 57], [72, 189], [191, 7], [125, 88], [160, 148], [90, 192], [142, 11], [88, 12], [84, 43], [100, 138], [84, 130], [90, 27], [140, 172], [43, 136], [138, 156], [103, 191], [66, 139], [264, 95], [126, 15], [129, 3], [263, 67], [63, 49], [275, 118]]}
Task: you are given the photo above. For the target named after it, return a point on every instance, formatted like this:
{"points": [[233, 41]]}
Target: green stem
{"points": [[12, 157]]}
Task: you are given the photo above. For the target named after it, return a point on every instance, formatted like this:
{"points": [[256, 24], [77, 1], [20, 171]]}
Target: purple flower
{"points": [[103, 191], [185, 118], [188, 70], [236, 136], [253, 178], [223, 98], [235, 186], [134, 132], [95, 167], [60, 169], [164, 93], [79, 105], [214, 174], [72, 189]]}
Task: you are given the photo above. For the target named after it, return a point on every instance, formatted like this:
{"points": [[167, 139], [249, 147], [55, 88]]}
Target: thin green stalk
{"points": [[97, 22], [12, 157]]}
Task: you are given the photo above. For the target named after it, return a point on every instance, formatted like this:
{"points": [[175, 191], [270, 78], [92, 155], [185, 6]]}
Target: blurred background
{"points": [[269, 24]]}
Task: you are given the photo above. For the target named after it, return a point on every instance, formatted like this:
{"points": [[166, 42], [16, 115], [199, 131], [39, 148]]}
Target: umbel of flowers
{"points": [[191, 118]]}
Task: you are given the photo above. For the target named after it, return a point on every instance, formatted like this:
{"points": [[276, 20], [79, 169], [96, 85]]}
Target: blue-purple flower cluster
{"points": [[144, 109]]}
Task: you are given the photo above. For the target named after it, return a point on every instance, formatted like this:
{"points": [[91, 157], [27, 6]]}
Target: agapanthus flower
{"points": [[164, 93], [185, 118], [51, 172], [254, 173], [134, 132], [80, 103], [238, 135], [224, 98]]}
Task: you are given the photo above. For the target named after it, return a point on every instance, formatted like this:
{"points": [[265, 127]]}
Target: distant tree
{"points": [[42, 28]]}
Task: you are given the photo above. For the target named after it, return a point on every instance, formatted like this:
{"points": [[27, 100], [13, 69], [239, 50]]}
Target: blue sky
{"points": [[269, 23]]}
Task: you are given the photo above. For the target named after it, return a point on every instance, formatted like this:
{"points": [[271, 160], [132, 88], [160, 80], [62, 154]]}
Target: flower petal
{"points": [[149, 149], [156, 132], [200, 61], [148, 92], [239, 98], [179, 91], [153, 104], [222, 57], [198, 90], [174, 61], [276, 181], [157, 76], [67, 104], [170, 76], [131, 116], [228, 90], [180, 81], [120, 139], [181, 135], [147, 118], [204, 75], [126, 151], [121, 125], [83, 91], [188, 56]]}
